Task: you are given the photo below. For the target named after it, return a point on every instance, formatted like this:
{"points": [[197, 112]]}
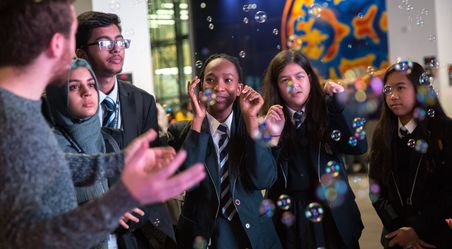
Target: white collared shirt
{"points": [[213, 126], [292, 111], [114, 95], [410, 126]]}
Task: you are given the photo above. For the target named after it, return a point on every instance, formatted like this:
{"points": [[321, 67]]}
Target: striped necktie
{"points": [[110, 112], [404, 132], [227, 207], [297, 119]]}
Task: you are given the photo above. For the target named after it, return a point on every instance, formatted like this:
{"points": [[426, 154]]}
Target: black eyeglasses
{"points": [[109, 44]]}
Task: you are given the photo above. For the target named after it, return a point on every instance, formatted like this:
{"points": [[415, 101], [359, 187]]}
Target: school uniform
{"points": [[301, 167], [417, 193], [251, 168]]}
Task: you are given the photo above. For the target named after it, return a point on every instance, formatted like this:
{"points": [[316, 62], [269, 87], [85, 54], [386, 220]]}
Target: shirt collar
{"points": [[113, 94], [410, 126], [213, 123], [292, 111]]}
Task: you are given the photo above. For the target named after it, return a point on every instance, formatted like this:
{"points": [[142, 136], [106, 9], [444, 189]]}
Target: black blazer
{"points": [[138, 111], [432, 193], [253, 170], [346, 216], [138, 115]]}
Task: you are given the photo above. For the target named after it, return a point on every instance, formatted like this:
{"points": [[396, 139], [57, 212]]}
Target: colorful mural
{"points": [[337, 35]]}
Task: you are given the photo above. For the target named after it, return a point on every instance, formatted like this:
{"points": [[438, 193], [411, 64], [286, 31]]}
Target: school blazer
{"points": [[346, 216], [256, 171], [138, 115]]}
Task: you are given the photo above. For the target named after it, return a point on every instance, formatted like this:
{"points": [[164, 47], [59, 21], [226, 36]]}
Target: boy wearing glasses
{"points": [[126, 108]]}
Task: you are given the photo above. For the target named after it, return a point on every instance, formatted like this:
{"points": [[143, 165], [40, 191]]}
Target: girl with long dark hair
{"points": [[302, 117], [410, 161]]}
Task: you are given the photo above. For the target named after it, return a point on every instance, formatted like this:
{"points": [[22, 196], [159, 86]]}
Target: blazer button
{"points": [[156, 222], [247, 225], [237, 202]]}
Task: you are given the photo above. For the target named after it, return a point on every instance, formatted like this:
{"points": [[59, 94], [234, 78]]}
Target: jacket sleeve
{"points": [[82, 227], [340, 119], [260, 164], [388, 215], [150, 116], [86, 169]]}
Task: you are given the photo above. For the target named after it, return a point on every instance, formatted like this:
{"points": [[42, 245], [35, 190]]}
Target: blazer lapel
{"points": [[129, 116]]}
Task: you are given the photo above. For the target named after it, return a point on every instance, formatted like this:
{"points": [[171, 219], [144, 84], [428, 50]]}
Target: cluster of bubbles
{"points": [[360, 133], [403, 65], [315, 10], [242, 54], [314, 212], [332, 189], [267, 208], [432, 65], [294, 42], [406, 5], [209, 97], [419, 145], [248, 7], [333, 168], [209, 20]]}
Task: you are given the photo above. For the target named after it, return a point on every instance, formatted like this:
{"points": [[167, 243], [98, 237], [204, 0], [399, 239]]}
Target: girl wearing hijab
{"points": [[77, 128]]}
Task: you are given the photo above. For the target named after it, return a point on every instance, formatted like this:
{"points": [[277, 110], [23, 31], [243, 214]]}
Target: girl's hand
{"points": [[331, 88], [251, 103], [275, 120], [199, 109]]}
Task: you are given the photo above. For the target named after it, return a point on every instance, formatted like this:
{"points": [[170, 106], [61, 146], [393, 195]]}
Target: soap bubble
{"points": [[411, 143], [352, 141], [198, 63], [333, 168], [425, 79], [209, 97], [260, 16], [288, 218], [431, 113], [267, 208], [284, 202], [336, 135], [421, 146], [314, 212]]}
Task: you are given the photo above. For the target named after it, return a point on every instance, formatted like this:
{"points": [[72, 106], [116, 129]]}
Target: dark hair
{"points": [[380, 155], [28, 26], [90, 20], [227, 57], [315, 104]]}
